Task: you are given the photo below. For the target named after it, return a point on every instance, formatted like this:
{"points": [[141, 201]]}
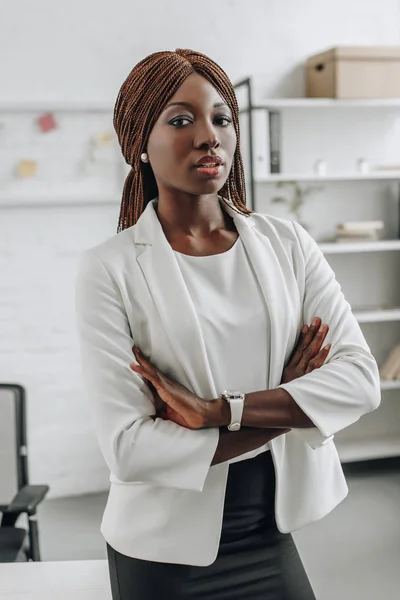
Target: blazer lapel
{"points": [[279, 289], [168, 289]]}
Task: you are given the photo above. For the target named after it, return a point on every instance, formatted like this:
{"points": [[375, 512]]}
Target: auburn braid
{"points": [[140, 101]]}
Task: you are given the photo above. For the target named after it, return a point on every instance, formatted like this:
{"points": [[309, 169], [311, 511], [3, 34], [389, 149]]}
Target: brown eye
{"points": [[223, 121], [180, 121]]}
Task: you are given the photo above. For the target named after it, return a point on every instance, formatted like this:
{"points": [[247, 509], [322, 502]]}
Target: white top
{"points": [[232, 315]]}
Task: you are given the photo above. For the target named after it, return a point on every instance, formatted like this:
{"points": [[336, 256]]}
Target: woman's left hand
{"points": [[182, 406]]}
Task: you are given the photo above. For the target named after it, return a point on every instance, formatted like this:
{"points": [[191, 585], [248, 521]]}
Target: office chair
{"points": [[17, 497]]}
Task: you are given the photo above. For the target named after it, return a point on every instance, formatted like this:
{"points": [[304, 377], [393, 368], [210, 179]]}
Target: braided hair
{"points": [[141, 100]]}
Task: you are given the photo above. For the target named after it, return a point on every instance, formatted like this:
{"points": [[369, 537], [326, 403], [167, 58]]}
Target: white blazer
{"points": [[165, 502]]}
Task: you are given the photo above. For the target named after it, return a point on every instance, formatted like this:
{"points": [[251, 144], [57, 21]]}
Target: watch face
{"points": [[234, 393]]}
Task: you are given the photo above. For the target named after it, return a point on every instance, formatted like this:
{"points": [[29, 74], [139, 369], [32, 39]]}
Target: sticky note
{"points": [[26, 168], [47, 122], [102, 139]]}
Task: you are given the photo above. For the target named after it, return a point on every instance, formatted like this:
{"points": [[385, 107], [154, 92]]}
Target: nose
{"points": [[206, 137]]}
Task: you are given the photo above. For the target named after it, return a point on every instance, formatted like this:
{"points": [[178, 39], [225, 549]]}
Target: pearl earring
{"points": [[144, 157]]}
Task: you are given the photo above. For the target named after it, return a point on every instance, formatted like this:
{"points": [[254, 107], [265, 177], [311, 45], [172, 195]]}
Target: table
{"points": [[62, 580]]}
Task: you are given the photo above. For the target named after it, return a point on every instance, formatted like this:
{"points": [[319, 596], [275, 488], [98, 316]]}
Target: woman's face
{"points": [[196, 123]]}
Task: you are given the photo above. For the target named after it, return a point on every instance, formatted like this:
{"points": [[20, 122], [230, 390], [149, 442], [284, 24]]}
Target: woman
{"points": [[211, 298]]}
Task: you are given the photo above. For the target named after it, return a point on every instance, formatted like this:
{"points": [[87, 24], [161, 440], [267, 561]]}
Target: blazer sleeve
{"points": [[137, 446], [347, 385]]}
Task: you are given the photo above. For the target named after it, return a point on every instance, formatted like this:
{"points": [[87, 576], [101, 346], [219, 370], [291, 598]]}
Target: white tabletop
{"points": [[64, 580]]}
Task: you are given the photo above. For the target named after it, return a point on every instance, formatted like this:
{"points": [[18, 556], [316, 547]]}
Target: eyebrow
{"points": [[188, 105]]}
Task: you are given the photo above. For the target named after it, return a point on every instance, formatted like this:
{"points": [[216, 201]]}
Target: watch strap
{"points": [[236, 403]]}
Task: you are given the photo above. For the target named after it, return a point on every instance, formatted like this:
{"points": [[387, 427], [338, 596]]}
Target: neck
{"points": [[194, 216]]}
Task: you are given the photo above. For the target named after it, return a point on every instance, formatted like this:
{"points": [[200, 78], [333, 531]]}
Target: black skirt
{"points": [[254, 562]]}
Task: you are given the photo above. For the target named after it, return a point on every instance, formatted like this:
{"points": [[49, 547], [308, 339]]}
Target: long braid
{"points": [[141, 99]]}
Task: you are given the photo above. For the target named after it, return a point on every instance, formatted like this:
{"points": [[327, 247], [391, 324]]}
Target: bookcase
{"points": [[284, 142]]}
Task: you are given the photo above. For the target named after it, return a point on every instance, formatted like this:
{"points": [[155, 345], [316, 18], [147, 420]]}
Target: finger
{"points": [[148, 375], [312, 330], [137, 368], [141, 358], [319, 360], [143, 361], [314, 347], [318, 340], [304, 341], [297, 352]]}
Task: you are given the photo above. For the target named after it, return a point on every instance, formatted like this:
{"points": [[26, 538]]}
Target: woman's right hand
{"points": [[307, 354]]}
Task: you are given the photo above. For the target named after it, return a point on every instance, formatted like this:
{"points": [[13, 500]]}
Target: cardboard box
{"points": [[354, 72]]}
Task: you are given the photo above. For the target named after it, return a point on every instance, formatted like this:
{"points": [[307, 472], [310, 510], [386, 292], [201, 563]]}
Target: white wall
{"points": [[85, 48], [80, 51]]}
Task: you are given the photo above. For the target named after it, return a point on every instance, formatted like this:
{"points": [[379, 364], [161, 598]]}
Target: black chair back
{"points": [[13, 449]]}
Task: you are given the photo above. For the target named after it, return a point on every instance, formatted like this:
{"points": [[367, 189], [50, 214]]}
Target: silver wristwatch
{"points": [[236, 402]]}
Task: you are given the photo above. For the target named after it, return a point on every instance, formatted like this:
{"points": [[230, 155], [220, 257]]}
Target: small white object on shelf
{"points": [[387, 168], [360, 225], [356, 238], [363, 166], [358, 231], [320, 167]]}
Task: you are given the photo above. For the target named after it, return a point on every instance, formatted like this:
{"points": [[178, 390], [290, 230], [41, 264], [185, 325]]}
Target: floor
{"points": [[352, 554]]}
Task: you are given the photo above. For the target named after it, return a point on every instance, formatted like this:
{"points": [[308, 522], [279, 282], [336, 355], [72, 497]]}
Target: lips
{"points": [[207, 165], [209, 162], [209, 171]]}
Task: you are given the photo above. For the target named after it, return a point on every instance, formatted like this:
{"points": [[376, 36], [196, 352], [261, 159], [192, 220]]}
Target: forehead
{"points": [[198, 91]]}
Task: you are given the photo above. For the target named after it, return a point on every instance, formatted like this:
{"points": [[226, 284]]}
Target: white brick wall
{"points": [[83, 53], [38, 345]]}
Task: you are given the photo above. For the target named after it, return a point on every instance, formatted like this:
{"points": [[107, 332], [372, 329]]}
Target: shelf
{"points": [[357, 450], [354, 247], [388, 384], [55, 105], [57, 200], [276, 103], [377, 316], [351, 176]]}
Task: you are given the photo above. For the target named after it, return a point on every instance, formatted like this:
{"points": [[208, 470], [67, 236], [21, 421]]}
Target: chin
{"points": [[207, 187]]}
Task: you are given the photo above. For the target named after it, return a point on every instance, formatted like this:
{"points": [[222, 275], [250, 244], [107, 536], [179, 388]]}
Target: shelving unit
{"points": [[277, 103], [54, 200], [56, 105], [387, 385], [357, 450], [377, 316], [377, 435], [313, 177], [358, 247]]}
